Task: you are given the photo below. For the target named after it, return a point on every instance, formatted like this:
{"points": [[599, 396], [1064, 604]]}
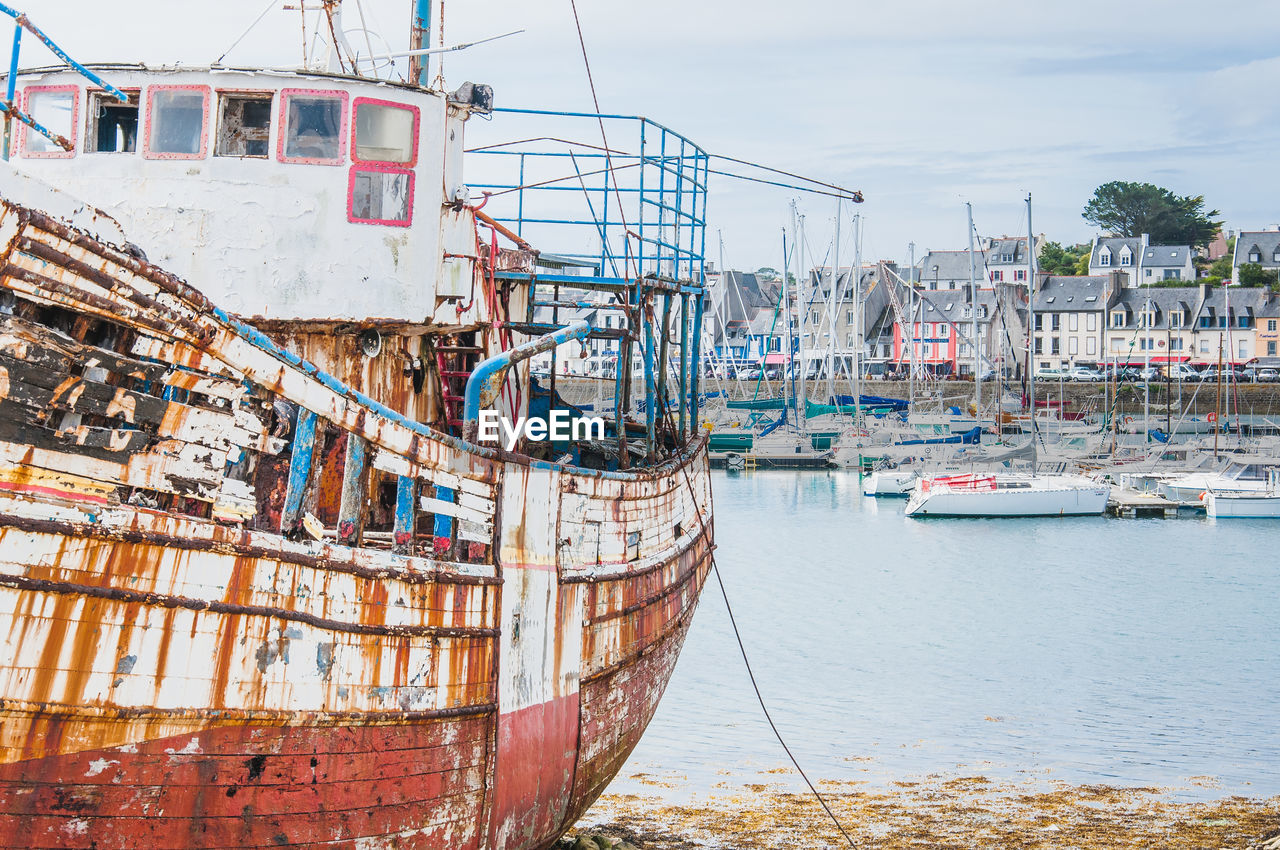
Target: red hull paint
{"points": [[238, 787], [537, 748]]}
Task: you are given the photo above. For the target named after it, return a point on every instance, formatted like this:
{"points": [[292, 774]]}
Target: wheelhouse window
{"points": [[177, 122], [244, 125], [380, 195], [57, 109], [385, 132], [112, 126], [313, 126]]}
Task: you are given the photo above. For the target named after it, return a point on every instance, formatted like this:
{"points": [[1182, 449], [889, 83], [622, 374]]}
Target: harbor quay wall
{"points": [[1261, 399]]}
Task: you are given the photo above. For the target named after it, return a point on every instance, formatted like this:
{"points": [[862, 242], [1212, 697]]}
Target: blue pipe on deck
{"points": [[492, 372]]}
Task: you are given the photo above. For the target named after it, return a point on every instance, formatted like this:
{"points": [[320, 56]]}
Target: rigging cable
{"points": [[715, 568]]}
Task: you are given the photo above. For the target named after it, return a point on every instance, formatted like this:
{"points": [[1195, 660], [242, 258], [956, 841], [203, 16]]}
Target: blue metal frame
{"points": [[642, 201], [10, 111]]}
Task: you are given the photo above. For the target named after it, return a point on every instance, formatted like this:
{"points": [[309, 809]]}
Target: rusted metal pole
{"points": [[304, 443], [420, 39]]}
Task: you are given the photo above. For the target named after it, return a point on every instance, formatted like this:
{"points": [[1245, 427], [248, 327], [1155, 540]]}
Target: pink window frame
{"points": [[413, 158], [147, 153], [75, 122], [386, 169], [282, 130]]}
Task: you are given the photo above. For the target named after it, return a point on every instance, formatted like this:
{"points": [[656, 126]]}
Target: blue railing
{"points": [[642, 200], [10, 109]]}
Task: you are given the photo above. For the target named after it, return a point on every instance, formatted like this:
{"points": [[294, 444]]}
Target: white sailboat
{"points": [[1011, 495]]}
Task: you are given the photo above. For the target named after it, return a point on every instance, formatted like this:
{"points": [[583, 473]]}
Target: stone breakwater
{"points": [[932, 812]]}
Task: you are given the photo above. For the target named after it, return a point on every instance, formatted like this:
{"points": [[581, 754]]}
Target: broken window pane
{"points": [[177, 122], [55, 111], [113, 126], [384, 133], [244, 127], [313, 127], [381, 196]]}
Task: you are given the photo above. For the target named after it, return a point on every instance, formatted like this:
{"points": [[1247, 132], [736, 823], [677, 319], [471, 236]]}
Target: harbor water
{"points": [[1081, 650]]}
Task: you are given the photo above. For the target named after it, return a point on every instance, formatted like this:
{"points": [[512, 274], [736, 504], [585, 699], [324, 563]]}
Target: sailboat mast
{"points": [[911, 332], [1031, 330], [857, 321], [973, 307], [833, 311], [786, 320], [802, 308]]}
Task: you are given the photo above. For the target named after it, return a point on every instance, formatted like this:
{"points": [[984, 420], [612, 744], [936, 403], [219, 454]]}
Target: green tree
{"points": [[1082, 263], [1252, 274], [1131, 209], [1056, 259], [1221, 268]]}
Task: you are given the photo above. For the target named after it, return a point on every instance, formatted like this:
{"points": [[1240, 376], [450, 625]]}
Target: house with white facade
{"points": [[1153, 325], [1007, 259], [950, 269], [1258, 247], [1166, 262], [1112, 253], [1071, 318]]}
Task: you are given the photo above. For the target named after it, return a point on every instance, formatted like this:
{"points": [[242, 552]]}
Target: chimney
{"points": [[1146, 238]]}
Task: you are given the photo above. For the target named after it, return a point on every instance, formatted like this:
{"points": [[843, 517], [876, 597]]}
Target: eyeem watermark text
{"points": [[559, 427]]}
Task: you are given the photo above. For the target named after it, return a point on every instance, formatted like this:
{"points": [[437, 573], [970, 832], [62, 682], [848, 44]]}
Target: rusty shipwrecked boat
{"points": [[261, 583]]}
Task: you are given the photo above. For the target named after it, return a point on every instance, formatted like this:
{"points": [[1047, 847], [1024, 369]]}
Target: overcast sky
{"points": [[920, 105]]}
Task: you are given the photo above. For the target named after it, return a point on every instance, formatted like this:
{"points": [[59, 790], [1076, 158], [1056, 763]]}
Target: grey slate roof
{"points": [[952, 265], [1167, 256], [1245, 301], [1165, 300], [1001, 248], [1264, 241], [1116, 244], [1071, 293]]}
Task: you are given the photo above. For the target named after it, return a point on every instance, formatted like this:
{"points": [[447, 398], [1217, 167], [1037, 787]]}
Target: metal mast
{"points": [[857, 321], [911, 340], [1031, 331], [973, 306], [802, 396], [832, 311]]}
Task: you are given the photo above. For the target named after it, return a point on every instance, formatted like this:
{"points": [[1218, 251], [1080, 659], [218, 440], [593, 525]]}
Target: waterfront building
{"points": [[1071, 317], [1153, 324], [1007, 259], [1227, 320], [1256, 247], [1111, 253], [1166, 262]]}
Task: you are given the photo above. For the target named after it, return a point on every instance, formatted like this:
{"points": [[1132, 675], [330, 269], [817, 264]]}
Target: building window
{"points": [[1173, 274], [1144, 344], [244, 125], [113, 126], [1175, 344], [1271, 348], [1091, 321], [1271, 324], [1057, 321], [1126, 259], [1055, 346], [177, 125], [1275, 256], [1039, 321], [1104, 259], [943, 331], [997, 276], [385, 132], [57, 109], [1255, 256], [1073, 346], [1039, 345], [1204, 346], [312, 126], [1073, 321], [1148, 271], [1020, 274], [1175, 319], [1117, 319], [1091, 346]]}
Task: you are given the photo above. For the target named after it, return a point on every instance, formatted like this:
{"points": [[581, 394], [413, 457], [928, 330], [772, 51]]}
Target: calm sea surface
{"points": [[1090, 650]]}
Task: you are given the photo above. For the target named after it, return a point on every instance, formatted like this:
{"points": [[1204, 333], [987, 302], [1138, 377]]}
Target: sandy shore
{"points": [[936, 812]]}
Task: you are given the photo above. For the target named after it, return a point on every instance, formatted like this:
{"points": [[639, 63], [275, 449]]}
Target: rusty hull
{"points": [[183, 664]]}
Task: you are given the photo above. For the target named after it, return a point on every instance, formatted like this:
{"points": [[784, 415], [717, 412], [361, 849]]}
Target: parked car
{"points": [[1150, 373], [1182, 372], [1267, 374], [1047, 374], [1084, 373]]}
